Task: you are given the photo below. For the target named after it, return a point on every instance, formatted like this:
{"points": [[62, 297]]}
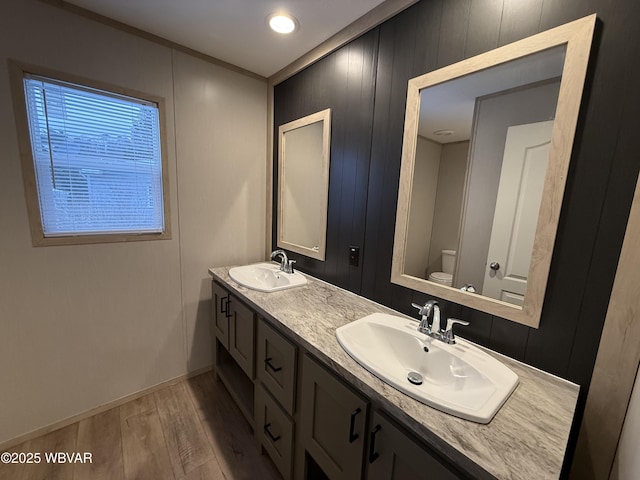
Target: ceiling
{"points": [[236, 31], [449, 106]]}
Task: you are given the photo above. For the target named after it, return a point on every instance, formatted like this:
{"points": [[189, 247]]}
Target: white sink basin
{"points": [[266, 277], [459, 379]]}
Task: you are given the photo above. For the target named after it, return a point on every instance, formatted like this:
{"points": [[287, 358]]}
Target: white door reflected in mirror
{"points": [[524, 166]]}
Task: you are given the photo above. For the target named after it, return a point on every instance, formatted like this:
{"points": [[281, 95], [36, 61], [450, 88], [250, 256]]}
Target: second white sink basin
{"points": [[459, 379], [266, 277]]}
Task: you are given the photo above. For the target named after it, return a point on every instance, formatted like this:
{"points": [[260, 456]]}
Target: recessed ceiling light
{"points": [[282, 22]]}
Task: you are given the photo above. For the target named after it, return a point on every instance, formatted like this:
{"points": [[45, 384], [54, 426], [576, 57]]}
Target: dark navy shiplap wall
{"points": [[345, 82], [365, 83]]}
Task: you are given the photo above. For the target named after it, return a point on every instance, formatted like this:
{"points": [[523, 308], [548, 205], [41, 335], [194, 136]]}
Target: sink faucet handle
{"points": [[419, 307], [448, 333], [289, 267], [452, 321], [426, 308]]}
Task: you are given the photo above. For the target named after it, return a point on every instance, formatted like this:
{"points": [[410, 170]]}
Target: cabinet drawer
{"points": [[276, 365], [242, 335], [220, 313], [274, 430]]}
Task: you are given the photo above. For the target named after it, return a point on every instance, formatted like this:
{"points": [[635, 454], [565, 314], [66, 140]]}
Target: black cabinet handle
{"points": [[227, 310], [267, 361], [373, 455], [353, 436], [224, 304], [268, 432]]}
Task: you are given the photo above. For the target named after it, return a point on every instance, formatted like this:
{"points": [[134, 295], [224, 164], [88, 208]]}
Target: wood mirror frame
{"points": [[310, 193], [576, 37]]}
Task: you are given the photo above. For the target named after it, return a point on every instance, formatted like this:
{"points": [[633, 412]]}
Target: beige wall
{"points": [[84, 325], [446, 220], [436, 204], [423, 202]]}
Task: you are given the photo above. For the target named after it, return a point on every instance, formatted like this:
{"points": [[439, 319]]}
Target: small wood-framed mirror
{"points": [[303, 184], [486, 151]]}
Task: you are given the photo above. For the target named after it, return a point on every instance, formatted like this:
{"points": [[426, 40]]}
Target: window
{"points": [[96, 163]]}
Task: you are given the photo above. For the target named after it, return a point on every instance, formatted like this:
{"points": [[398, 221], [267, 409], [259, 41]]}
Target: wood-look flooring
{"points": [[190, 430]]}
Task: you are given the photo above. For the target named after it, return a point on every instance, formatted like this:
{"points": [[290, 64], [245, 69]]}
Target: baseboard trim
{"points": [[7, 444]]}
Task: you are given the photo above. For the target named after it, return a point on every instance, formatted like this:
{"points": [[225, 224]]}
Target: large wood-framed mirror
{"points": [[303, 184], [486, 151]]}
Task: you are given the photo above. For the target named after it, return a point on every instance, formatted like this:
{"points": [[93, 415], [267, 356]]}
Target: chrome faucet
{"points": [[286, 265], [433, 329]]}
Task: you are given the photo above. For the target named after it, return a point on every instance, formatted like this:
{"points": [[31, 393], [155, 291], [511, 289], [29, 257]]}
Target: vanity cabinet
{"points": [[219, 313], [234, 325], [332, 422], [308, 420], [276, 371], [394, 455]]}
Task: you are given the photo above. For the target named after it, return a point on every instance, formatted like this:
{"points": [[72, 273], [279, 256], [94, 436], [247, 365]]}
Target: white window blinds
{"points": [[97, 159]]}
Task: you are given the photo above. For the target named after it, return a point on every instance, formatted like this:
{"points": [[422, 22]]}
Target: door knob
{"points": [[495, 266]]}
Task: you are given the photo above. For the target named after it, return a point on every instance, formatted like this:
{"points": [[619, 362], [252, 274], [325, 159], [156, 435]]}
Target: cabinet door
{"points": [[242, 335], [333, 422], [392, 455], [220, 313], [276, 365]]}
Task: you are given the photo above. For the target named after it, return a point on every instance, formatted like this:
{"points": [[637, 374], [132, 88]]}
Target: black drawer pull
{"points": [[373, 455], [353, 436], [267, 361], [224, 304], [227, 310], [268, 432]]}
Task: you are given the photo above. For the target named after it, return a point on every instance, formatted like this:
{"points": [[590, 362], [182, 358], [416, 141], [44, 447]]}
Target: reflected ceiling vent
{"points": [[443, 133]]}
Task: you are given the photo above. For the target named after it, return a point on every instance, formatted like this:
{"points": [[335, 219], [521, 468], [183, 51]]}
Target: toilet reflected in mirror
{"points": [[448, 262]]}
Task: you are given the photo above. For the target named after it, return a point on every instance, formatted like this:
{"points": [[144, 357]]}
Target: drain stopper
{"points": [[415, 378]]}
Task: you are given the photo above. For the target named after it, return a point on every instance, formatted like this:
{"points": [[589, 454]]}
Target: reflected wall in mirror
{"points": [[486, 150], [303, 184]]}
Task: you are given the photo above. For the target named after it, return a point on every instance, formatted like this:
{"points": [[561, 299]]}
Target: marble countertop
{"points": [[525, 440]]}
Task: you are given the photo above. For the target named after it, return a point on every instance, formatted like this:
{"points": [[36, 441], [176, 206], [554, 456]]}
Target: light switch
{"points": [[354, 256]]}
